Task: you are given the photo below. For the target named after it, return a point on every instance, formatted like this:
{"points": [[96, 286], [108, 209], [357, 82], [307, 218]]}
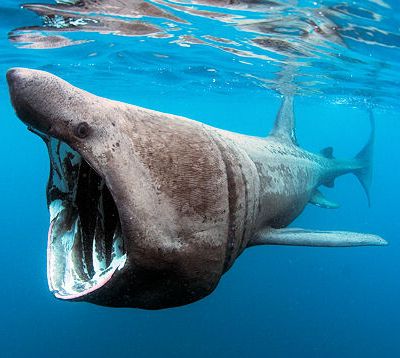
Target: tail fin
{"points": [[364, 157]]}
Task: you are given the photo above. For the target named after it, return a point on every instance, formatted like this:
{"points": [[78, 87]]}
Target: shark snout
{"points": [[51, 106], [41, 100], [19, 79], [26, 89], [12, 75], [15, 82], [19, 74]]}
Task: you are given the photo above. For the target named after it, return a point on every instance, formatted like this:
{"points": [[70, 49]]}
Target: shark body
{"points": [[149, 209]]}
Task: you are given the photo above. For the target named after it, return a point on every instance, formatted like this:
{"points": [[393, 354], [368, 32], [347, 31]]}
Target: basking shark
{"points": [[150, 209]]}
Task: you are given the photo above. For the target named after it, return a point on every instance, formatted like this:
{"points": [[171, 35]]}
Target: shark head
{"points": [[85, 241], [116, 237]]}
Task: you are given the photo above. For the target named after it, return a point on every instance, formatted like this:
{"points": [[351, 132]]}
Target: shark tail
{"points": [[360, 166], [364, 159]]}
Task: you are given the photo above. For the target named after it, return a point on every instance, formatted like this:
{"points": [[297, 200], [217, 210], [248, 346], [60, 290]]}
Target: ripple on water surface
{"points": [[328, 48]]}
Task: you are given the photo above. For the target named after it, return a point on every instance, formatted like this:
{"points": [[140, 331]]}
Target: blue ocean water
{"points": [[226, 66]]}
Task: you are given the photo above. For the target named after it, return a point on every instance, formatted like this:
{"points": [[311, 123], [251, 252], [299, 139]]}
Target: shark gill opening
{"points": [[85, 245]]}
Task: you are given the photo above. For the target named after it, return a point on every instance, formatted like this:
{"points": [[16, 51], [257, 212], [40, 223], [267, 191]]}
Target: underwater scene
{"points": [[200, 178]]}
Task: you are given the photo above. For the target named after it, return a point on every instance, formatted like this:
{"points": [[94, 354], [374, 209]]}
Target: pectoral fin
{"points": [[319, 199], [300, 237]]}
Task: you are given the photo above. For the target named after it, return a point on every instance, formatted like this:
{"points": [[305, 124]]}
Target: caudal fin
{"points": [[364, 158]]}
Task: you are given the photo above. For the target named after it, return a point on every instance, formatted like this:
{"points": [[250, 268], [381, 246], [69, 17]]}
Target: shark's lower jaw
{"points": [[85, 242]]}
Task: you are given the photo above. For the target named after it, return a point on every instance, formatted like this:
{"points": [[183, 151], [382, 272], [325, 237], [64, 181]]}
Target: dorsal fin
{"points": [[327, 152], [284, 127]]}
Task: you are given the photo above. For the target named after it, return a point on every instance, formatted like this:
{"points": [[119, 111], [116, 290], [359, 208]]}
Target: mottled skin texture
{"points": [[190, 197]]}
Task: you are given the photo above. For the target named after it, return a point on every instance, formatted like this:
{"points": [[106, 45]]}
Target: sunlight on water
{"points": [[345, 52]]}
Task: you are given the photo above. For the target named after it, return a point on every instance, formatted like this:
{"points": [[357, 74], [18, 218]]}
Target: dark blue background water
{"points": [[274, 302]]}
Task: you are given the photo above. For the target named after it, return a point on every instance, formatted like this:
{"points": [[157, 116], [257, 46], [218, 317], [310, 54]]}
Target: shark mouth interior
{"points": [[85, 241]]}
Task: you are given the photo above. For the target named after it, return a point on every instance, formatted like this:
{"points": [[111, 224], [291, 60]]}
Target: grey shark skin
{"points": [[149, 209]]}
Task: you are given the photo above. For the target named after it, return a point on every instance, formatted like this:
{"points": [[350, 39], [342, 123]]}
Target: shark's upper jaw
{"points": [[85, 241]]}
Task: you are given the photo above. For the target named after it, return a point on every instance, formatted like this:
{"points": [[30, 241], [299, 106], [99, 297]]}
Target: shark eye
{"points": [[82, 130]]}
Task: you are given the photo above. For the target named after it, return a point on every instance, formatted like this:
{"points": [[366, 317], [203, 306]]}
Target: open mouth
{"points": [[85, 242]]}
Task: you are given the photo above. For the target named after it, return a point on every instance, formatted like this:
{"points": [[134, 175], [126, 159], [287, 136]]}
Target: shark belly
{"points": [[286, 188]]}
